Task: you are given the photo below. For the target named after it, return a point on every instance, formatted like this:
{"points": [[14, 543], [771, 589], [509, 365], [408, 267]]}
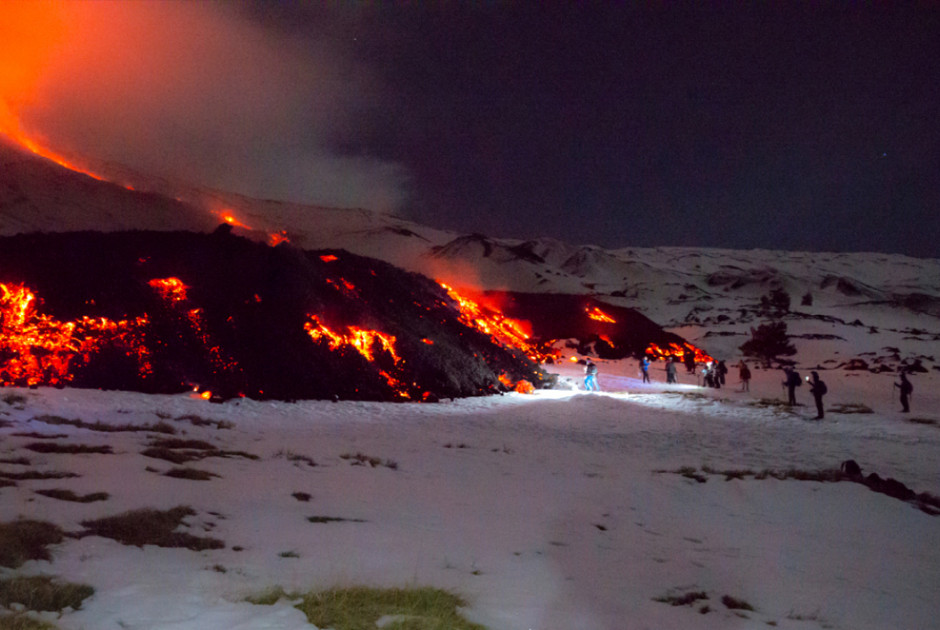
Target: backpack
{"points": [[821, 388], [907, 388], [592, 368], [795, 378]]}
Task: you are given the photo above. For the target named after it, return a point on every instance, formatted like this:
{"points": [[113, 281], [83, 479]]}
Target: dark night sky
{"points": [[805, 126], [786, 125]]}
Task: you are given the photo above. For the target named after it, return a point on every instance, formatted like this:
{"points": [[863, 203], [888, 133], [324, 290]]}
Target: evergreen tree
{"points": [[769, 341]]}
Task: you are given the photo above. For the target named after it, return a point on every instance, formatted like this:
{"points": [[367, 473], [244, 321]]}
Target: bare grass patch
{"points": [[68, 449], [361, 608], [41, 592], [333, 519], [21, 461], [25, 539], [14, 398], [850, 408], [68, 495], [36, 474], [159, 427], [360, 459], [150, 527], [36, 435], [180, 451], [295, 457], [192, 474], [19, 621]]}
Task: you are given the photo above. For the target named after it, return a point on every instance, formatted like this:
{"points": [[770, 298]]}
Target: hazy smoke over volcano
{"points": [[193, 91]]}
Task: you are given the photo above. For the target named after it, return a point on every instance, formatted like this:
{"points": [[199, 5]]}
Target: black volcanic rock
{"points": [[565, 316], [241, 328]]}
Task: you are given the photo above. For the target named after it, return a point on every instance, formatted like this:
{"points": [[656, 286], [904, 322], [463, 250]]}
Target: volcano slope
{"points": [[164, 312]]}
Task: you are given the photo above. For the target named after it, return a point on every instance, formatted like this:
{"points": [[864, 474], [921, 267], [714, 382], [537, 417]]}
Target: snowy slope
{"points": [[553, 511]]}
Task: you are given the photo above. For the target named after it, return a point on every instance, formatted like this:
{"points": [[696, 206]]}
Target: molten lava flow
{"points": [[170, 289], [328, 258], [37, 349], [365, 342], [599, 315], [675, 350], [276, 238], [228, 217], [500, 328], [360, 339]]}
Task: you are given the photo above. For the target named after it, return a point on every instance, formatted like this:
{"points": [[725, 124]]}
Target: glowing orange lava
{"points": [[171, 289], [501, 329], [37, 349], [599, 315], [675, 350], [365, 342]]}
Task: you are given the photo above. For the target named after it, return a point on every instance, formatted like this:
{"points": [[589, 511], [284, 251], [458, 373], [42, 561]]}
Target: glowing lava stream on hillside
{"points": [[10, 126], [366, 342], [502, 329], [675, 350]]}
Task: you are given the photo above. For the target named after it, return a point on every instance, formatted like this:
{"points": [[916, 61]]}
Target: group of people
{"points": [[818, 389], [714, 374]]}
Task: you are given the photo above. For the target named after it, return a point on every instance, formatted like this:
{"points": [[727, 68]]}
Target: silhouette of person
{"points": [[818, 389], [906, 390]]}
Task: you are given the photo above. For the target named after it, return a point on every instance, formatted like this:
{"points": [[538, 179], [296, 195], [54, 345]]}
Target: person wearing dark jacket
{"points": [[906, 390], [744, 373], [818, 389], [671, 370], [791, 381], [689, 358]]}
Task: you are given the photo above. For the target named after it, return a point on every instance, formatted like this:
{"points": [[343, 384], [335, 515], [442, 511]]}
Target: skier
{"points": [[590, 377], [906, 390], [818, 389], [645, 368]]}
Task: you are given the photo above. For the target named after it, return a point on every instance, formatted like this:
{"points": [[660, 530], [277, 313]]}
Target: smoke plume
{"points": [[193, 91]]}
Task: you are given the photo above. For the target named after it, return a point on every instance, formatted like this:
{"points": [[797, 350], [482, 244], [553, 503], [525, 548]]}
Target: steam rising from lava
{"points": [[193, 91]]}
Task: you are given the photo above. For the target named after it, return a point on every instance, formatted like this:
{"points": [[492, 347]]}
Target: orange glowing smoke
{"points": [[36, 349], [488, 320], [675, 350], [599, 315], [170, 289]]}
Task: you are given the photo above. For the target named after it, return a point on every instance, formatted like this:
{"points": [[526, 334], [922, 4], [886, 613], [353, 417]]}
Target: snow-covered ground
{"points": [[557, 510]]}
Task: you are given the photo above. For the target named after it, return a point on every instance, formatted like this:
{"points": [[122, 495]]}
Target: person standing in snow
{"points": [[671, 370], [744, 375], [645, 368], [590, 376], [818, 389], [906, 390], [689, 358], [791, 381], [722, 373]]}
